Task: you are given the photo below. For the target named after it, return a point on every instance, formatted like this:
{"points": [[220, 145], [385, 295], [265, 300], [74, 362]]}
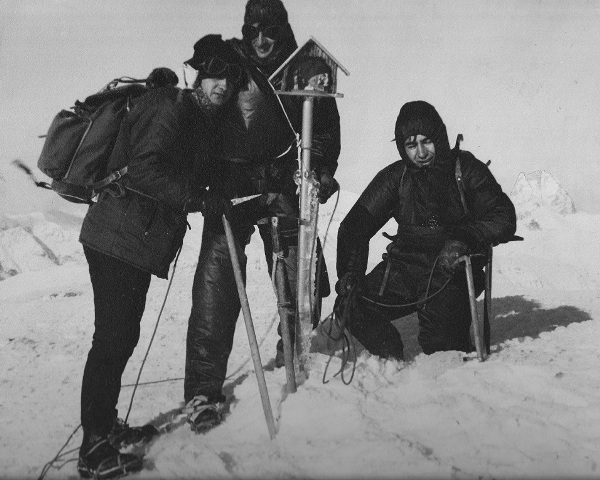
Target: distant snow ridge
{"points": [[538, 189], [30, 242]]}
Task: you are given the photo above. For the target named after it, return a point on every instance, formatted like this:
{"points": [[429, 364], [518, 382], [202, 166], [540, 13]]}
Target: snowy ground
{"points": [[532, 410]]}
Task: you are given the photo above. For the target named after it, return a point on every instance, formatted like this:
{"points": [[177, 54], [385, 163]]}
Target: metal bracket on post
{"points": [[283, 306]]}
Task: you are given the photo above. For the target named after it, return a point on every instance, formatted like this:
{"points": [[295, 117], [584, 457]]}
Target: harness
{"points": [[461, 190]]}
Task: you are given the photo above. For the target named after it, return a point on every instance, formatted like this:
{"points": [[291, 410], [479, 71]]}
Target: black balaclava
{"points": [[429, 186], [421, 118], [266, 13]]}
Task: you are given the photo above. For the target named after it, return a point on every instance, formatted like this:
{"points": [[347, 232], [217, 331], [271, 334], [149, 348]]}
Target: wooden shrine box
{"points": [[311, 68]]}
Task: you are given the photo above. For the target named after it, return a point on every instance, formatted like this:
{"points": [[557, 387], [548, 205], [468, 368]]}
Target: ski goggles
{"points": [[217, 68], [272, 31]]}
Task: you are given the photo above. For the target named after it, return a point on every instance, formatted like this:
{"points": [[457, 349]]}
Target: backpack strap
{"points": [[458, 174], [113, 177]]}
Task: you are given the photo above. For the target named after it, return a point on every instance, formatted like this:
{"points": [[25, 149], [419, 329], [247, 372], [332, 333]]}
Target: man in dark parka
{"points": [[435, 228], [260, 157]]}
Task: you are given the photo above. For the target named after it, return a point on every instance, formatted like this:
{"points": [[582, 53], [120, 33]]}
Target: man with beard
{"points": [[260, 157], [420, 270]]}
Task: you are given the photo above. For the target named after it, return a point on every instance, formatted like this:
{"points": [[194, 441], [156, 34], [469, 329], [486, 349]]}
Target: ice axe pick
{"points": [[237, 201]]}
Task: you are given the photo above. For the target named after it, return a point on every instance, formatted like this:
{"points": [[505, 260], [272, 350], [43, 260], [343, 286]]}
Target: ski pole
{"points": [[260, 374]]}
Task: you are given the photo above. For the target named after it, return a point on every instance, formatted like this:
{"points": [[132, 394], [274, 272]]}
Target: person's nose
{"points": [[260, 38], [421, 151]]}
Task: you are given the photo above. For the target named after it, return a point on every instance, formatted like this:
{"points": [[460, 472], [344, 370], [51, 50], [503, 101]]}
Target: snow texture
{"points": [[532, 410]]}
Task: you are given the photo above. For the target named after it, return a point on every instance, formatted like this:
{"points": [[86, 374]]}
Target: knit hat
{"points": [[265, 12], [421, 118], [212, 46]]}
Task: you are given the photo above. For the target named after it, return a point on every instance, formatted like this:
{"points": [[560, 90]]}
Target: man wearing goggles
{"points": [[264, 38], [259, 157], [218, 75]]}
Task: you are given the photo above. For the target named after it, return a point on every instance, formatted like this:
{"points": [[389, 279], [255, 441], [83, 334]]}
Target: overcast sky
{"points": [[519, 79]]}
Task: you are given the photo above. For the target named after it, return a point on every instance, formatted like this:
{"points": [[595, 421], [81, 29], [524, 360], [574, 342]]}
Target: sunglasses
{"points": [[272, 31], [217, 68]]}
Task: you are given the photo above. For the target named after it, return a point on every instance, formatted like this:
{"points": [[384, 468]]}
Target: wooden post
{"points": [[260, 374]]}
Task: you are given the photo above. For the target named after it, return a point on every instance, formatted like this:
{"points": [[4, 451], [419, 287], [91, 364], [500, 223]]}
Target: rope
{"points": [[418, 302], [345, 336], [60, 455], [237, 370], [153, 334], [153, 382], [347, 344], [321, 258]]}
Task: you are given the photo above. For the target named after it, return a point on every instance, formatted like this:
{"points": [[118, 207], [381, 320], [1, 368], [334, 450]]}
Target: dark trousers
{"points": [[216, 304], [119, 300], [444, 320]]}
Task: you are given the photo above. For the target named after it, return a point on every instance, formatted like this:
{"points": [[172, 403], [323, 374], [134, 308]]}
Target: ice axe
{"points": [[19, 164], [260, 374]]}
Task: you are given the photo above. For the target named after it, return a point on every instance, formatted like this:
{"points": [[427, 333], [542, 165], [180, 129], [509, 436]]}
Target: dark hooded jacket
{"points": [[259, 132], [167, 142], [426, 202]]}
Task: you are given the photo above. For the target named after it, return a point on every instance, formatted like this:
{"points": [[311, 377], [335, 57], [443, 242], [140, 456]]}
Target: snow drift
{"points": [[531, 410]]}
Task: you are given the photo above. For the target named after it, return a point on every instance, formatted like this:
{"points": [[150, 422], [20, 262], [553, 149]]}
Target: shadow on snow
{"points": [[513, 317]]}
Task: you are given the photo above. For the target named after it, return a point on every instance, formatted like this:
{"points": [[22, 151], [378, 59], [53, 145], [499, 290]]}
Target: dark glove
{"points": [[452, 251], [348, 282], [328, 186], [214, 204]]}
